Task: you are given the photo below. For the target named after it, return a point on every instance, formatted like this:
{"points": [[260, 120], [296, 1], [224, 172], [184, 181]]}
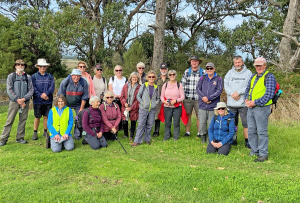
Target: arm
{"points": [[104, 117], [110, 85], [270, 91], [181, 92], [30, 90], [199, 88], [247, 89], [85, 95], [101, 125], [85, 124], [70, 122], [183, 79], [123, 95], [218, 91], [91, 86], [10, 90], [226, 84], [230, 133], [35, 89], [211, 130], [51, 88], [139, 94], [50, 124], [62, 87]]}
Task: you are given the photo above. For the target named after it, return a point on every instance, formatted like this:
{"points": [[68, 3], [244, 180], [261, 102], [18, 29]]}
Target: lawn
{"points": [[162, 172]]}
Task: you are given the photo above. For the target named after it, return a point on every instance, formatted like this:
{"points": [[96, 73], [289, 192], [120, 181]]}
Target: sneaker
{"points": [[2, 144], [135, 144], [35, 136], [125, 137], [84, 142], [45, 134], [186, 135], [261, 159], [21, 141]]}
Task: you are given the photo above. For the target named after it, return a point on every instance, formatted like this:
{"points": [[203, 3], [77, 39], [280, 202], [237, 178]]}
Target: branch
{"points": [[288, 36], [274, 3]]}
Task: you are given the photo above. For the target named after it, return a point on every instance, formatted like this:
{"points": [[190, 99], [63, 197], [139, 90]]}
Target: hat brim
{"points": [[46, 64], [217, 108], [200, 60]]}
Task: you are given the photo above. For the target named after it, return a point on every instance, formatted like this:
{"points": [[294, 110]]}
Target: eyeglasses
{"points": [[109, 97], [81, 66], [151, 76], [221, 109], [209, 68], [43, 66], [141, 68], [172, 74], [119, 70], [99, 69], [17, 64]]}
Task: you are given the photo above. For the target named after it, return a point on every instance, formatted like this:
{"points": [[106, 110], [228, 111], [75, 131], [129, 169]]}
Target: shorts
{"points": [[41, 110], [243, 114], [190, 104]]}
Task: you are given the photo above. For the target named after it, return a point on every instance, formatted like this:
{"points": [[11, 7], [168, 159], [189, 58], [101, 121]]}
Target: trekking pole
{"points": [[119, 141]]}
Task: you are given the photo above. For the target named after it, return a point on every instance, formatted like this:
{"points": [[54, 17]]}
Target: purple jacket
{"points": [[94, 122], [212, 89]]}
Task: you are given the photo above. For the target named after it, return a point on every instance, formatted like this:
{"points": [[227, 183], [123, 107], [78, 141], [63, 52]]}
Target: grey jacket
{"points": [[19, 89], [143, 96]]}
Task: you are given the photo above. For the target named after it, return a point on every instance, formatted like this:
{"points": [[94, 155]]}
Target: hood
{"points": [[242, 71], [230, 115]]}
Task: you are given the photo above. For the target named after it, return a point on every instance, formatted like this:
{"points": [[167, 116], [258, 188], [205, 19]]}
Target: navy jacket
{"points": [[220, 130], [212, 89], [43, 84]]}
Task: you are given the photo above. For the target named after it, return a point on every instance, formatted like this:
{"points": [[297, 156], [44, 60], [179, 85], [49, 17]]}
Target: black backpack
{"points": [[103, 78], [228, 120], [78, 120], [113, 79]]}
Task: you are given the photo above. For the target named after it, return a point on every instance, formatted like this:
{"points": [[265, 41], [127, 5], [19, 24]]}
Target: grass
{"points": [[163, 172]]}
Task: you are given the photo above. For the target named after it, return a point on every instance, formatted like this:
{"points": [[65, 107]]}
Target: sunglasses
{"points": [[209, 68], [81, 66], [221, 109], [17, 64], [99, 69], [141, 68], [119, 70], [109, 97], [151, 76], [171, 74], [43, 66]]}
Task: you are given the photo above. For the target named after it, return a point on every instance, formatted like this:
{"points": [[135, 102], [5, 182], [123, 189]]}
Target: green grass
{"points": [[163, 172]]}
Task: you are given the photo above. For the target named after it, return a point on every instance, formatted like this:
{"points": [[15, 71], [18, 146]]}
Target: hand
{"points": [[234, 95], [173, 101], [57, 138], [23, 106], [101, 96], [21, 101], [218, 145], [126, 105], [65, 137], [237, 98], [117, 96], [128, 109], [99, 134], [166, 102], [249, 104], [213, 144], [114, 130], [208, 102], [205, 99], [44, 96]]}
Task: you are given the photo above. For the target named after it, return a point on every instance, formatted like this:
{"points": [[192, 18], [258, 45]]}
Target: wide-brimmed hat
{"points": [[260, 61], [76, 72], [163, 66], [42, 62], [221, 105], [195, 58], [20, 61]]}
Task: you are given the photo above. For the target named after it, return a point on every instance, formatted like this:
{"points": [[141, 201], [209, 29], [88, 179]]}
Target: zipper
{"points": [[220, 128]]}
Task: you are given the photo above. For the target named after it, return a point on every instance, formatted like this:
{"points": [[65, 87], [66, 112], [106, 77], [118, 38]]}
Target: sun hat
{"points": [[20, 61], [221, 105], [260, 61], [42, 62], [76, 72], [195, 58]]}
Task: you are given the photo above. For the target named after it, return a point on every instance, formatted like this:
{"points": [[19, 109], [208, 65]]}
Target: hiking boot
{"points": [[156, 128], [2, 144], [35, 136], [125, 136], [84, 142], [135, 144], [45, 134], [261, 159], [21, 141], [247, 145], [148, 143], [131, 139], [203, 139], [186, 135], [234, 143]]}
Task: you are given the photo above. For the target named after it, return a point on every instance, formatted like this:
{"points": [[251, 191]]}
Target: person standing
{"points": [[162, 78], [75, 89], [189, 82], [100, 83], [20, 90], [44, 87], [235, 84], [142, 75], [258, 98], [209, 90]]}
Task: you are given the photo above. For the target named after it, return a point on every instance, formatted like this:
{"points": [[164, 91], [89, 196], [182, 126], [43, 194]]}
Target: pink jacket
{"points": [[91, 84], [111, 117], [172, 92]]}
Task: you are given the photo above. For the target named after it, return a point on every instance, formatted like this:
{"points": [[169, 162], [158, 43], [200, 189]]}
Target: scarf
{"points": [[130, 93]]}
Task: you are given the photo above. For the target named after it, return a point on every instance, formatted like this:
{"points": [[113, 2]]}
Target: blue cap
{"points": [[76, 72]]}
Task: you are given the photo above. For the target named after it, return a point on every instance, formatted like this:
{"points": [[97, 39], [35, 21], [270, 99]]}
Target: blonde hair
{"points": [[86, 66], [151, 72], [225, 113], [62, 97], [118, 66], [137, 75]]}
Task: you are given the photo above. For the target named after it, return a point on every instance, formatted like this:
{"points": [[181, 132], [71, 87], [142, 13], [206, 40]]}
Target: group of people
{"points": [[107, 107]]}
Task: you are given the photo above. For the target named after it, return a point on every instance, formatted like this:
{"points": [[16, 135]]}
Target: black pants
{"points": [[118, 101], [225, 149], [132, 128], [109, 136]]}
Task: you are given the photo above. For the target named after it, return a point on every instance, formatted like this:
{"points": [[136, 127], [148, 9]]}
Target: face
{"points": [[75, 78], [195, 63], [172, 76], [19, 67], [99, 72], [151, 78], [60, 103], [96, 104], [260, 69], [81, 67], [118, 71], [221, 111], [238, 63], [140, 69], [42, 69], [210, 70], [109, 98], [134, 79], [164, 71]]}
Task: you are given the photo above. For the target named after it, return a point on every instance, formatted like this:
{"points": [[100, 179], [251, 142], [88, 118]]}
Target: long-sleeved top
{"points": [[143, 79], [190, 81], [235, 81], [19, 89], [210, 88], [43, 84], [134, 113], [50, 121], [95, 122], [74, 93], [270, 89], [172, 92], [111, 116], [160, 82], [148, 102], [90, 83], [220, 130]]}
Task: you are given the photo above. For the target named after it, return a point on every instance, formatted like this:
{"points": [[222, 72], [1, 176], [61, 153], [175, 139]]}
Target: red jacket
{"points": [[111, 117], [134, 113]]}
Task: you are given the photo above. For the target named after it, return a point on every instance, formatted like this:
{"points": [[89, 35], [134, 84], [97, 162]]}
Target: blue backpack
{"points": [[200, 70]]}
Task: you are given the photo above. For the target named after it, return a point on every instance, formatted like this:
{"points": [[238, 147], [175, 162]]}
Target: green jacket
{"points": [[160, 82]]}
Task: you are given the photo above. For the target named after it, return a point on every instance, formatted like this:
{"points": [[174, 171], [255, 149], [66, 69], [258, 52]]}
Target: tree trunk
{"points": [[159, 34]]}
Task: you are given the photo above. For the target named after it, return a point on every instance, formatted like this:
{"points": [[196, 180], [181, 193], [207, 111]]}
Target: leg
{"points": [[76, 131], [125, 127], [176, 121], [149, 125], [45, 122], [13, 109], [168, 122], [196, 108], [243, 115], [22, 122], [143, 114], [132, 128], [211, 114], [203, 121], [102, 141], [236, 122], [189, 123], [210, 149], [36, 123], [252, 132], [93, 141], [37, 115], [55, 146], [157, 121], [69, 143], [45, 112], [225, 149]]}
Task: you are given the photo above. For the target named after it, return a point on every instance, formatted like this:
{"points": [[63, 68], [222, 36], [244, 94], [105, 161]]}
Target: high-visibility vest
{"points": [[60, 123], [259, 89]]}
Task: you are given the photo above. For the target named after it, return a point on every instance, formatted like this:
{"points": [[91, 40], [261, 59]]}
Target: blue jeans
{"points": [[68, 144], [257, 119]]}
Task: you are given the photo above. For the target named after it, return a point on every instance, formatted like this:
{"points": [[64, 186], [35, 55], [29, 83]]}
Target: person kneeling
{"points": [[93, 125], [221, 130], [60, 123]]}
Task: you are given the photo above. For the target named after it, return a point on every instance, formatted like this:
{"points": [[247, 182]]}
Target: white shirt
{"points": [[117, 84]]}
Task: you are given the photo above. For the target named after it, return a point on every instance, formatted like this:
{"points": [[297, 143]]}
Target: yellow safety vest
{"points": [[60, 123]]}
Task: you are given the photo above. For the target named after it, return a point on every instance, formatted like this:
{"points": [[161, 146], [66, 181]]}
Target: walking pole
{"points": [[119, 141]]}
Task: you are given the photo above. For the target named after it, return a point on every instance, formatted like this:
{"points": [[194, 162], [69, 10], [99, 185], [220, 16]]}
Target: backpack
{"points": [[78, 120], [228, 120], [103, 78], [113, 79], [200, 71], [49, 76], [178, 85], [277, 94], [105, 105], [14, 79]]}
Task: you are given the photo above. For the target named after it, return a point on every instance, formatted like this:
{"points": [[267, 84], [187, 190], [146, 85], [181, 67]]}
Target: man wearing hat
{"points": [[76, 91], [44, 87], [19, 89], [258, 98], [162, 78], [209, 89], [189, 82]]}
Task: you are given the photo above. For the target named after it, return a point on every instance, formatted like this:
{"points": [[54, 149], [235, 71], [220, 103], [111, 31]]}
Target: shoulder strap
{"points": [[201, 71], [35, 76], [14, 77], [266, 76], [228, 121], [178, 85], [103, 78], [166, 85], [115, 105], [190, 71], [126, 80], [92, 77], [113, 78], [104, 103], [215, 117], [89, 112]]}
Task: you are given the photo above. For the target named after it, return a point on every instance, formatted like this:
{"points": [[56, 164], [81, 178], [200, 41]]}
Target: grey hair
{"points": [[172, 71], [93, 99], [237, 58], [118, 66], [108, 92], [137, 75], [140, 64]]}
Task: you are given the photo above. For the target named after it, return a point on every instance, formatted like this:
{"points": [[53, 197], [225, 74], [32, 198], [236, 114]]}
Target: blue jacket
{"points": [[210, 88], [219, 130], [43, 84]]}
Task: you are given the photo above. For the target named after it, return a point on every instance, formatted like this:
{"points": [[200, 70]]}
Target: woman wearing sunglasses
{"points": [[111, 116], [148, 97], [99, 82], [209, 89], [221, 130], [172, 95], [142, 75]]}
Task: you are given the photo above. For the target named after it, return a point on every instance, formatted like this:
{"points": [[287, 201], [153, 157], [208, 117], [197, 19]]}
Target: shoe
{"points": [[175, 139], [35, 136], [198, 135], [155, 134], [84, 142], [186, 135], [252, 154], [21, 141], [45, 134], [203, 139], [125, 136], [234, 143], [247, 145], [135, 144], [261, 159], [130, 139], [166, 140], [148, 143], [2, 144]]}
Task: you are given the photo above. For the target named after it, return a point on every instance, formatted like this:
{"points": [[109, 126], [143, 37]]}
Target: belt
{"points": [[112, 119]]}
